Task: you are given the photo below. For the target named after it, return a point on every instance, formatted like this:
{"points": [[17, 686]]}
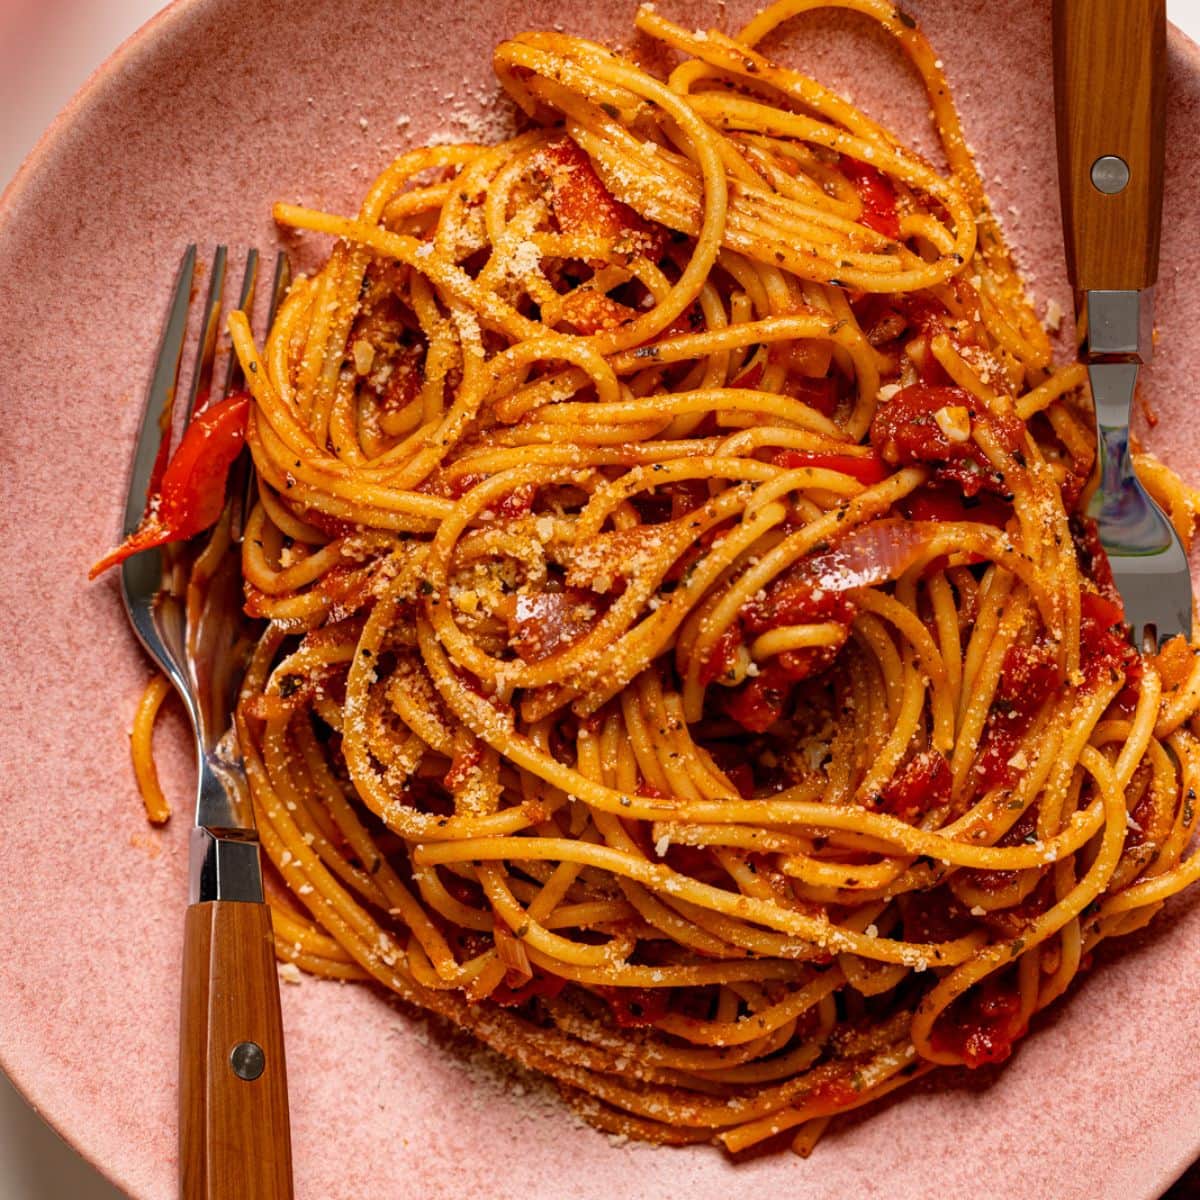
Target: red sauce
{"points": [[695, 862], [940, 502], [761, 701], [877, 195], [404, 383], [731, 759], [750, 377], [1028, 677], [686, 496], [463, 765], [905, 431], [634, 1008], [934, 916], [1093, 560], [866, 468], [691, 320], [1012, 921], [982, 1026], [835, 1091], [794, 599], [1104, 648], [517, 503], [465, 891], [922, 783], [822, 394], [1023, 830], [581, 202], [540, 984], [723, 654], [187, 493]]}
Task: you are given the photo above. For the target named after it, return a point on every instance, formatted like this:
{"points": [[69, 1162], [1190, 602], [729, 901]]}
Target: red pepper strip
{"points": [[191, 494], [939, 503], [867, 468], [877, 195]]}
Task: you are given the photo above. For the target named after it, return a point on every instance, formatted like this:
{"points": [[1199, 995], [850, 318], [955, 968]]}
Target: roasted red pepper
{"points": [[938, 502], [877, 195], [866, 468], [190, 495]]}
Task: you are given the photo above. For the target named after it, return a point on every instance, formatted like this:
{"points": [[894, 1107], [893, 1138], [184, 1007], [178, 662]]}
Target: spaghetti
{"points": [[686, 669]]}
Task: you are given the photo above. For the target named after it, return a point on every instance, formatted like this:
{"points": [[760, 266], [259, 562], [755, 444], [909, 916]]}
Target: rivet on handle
{"points": [[247, 1060], [1110, 174]]}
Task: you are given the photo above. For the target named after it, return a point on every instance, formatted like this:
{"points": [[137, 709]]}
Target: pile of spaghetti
{"points": [[686, 668]]}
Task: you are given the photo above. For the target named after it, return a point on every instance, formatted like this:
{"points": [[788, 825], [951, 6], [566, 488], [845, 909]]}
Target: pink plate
{"points": [[217, 108]]}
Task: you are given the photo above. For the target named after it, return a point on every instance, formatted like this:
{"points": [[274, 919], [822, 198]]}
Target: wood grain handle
{"points": [[1109, 89], [234, 1140]]}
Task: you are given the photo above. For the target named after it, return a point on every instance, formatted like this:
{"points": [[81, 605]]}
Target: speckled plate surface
{"points": [[191, 130]]}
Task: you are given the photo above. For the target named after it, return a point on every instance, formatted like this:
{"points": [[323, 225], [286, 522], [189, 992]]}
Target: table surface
{"points": [[47, 50]]}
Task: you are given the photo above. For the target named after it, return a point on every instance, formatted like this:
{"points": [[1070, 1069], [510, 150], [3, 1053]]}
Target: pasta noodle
{"points": [[685, 666]]}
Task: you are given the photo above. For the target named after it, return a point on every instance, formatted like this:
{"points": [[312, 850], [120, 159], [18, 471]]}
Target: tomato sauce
{"points": [[540, 984], [187, 493], [877, 195], [723, 654], [906, 431], [1028, 677], [941, 502], [921, 783], [760, 702], [581, 203], [795, 599], [934, 916], [635, 1008], [982, 1026]]}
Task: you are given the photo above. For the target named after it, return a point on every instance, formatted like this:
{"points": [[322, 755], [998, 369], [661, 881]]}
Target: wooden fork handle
{"points": [[1109, 87], [234, 1142]]}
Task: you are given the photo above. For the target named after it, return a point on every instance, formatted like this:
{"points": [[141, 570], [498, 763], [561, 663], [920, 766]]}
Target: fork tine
{"points": [[154, 435], [207, 349], [280, 286], [243, 484], [233, 375]]}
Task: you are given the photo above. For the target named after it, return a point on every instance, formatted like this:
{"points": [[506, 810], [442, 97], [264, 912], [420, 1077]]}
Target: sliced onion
{"points": [[873, 554]]}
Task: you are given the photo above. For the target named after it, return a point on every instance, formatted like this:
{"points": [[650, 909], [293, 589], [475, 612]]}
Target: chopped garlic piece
{"points": [[364, 357], [954, 421]]}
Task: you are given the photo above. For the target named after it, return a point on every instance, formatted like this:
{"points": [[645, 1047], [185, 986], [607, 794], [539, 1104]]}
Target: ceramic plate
{"points": [[194, 127]]}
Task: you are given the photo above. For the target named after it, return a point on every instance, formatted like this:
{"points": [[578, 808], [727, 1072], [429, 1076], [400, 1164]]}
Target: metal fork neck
{"points": [[1120, 326], [224, 867]]}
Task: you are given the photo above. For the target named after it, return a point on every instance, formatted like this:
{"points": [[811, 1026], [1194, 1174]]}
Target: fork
{"points": [[1109, 83], [184, 603]]}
